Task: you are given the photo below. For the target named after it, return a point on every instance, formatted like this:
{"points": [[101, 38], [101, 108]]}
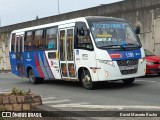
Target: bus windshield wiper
{"points": [[129, 44], [132, 45], [115, 46]]}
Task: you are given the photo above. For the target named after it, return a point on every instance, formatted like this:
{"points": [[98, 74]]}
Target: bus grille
{"points": [[128, 66], [126, 72]]}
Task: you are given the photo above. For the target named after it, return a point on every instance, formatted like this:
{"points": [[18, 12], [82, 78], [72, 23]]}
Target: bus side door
{"points": [[19, 55], [67, 57]]}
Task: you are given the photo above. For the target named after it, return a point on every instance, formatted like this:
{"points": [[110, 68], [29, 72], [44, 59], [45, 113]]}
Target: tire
{"points": [[128, 81], [33, 79], [40, 80], [86, 80], [158, 74]]}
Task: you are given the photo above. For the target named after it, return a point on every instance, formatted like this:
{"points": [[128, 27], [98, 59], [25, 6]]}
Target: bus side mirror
{"points": [[137, 30], [83, 31]]}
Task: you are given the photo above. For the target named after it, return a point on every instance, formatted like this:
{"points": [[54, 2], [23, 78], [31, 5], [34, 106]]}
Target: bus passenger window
{"points": [[38, 40], [28, 40], [51, 38], [13, 43]]}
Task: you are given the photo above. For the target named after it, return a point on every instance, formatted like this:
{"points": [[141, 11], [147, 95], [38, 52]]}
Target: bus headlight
{"points": [[108, 62], [107, 74], [142, 59]]}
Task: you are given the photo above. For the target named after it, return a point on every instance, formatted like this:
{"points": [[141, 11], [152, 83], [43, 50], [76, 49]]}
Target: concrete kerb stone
{"points": [[58, 113]]}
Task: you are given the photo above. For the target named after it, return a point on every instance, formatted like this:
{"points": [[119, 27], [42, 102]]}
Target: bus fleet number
{"points": [[129, 55]]}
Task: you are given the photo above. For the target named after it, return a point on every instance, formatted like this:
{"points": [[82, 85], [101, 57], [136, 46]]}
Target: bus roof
{"points": [[88, 18], [102, 18]]}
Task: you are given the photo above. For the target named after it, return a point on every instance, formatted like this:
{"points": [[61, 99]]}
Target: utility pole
{"points": [[37, 17], [58, 6]]}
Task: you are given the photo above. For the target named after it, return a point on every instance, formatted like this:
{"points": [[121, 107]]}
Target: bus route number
{"points": [[129, 55]]}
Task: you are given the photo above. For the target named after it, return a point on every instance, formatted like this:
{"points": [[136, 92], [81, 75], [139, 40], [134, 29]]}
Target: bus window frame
{"points": [[25, 39], [38, 40], [44, 39], [56, 39], [76, 44], [13, 42]]}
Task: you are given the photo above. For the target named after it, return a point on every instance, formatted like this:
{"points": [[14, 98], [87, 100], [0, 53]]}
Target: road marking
{"points": [[145, 81], [58, 101], [48, 98], [70, 104], [106, 106]]}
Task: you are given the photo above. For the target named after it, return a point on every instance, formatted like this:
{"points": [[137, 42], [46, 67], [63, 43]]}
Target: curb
{"points": [[58, 113], [85, 114]]}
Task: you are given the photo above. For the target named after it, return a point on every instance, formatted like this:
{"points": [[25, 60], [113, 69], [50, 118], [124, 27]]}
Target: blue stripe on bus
{"points": [[43, 67], [39, 63]]}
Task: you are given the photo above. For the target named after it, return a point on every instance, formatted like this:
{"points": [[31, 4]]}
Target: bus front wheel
{"points": [[128, 81], [87, 80], [34, 79]]}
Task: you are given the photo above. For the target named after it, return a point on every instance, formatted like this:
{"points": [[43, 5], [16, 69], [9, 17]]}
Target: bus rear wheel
{"points": [[128, 81], [34, 79], [87, 80]]}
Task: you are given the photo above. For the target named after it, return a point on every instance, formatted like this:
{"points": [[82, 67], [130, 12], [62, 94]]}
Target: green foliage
{"points": [[16, 91]]}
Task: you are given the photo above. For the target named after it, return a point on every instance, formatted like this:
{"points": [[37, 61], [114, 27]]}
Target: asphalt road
{"points": [[145, 92]]}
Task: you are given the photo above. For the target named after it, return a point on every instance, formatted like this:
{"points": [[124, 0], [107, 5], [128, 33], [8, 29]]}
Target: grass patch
{"points": [[16, 91]]}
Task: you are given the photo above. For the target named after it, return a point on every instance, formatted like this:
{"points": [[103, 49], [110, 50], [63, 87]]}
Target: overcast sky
{"points": [[16, 11]]}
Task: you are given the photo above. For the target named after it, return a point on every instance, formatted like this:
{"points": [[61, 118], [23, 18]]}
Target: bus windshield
{"points": [[115, 35]]}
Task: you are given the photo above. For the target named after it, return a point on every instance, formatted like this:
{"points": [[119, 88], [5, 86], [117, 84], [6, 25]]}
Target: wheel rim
{"points": [[31, 76], [87, 80]]}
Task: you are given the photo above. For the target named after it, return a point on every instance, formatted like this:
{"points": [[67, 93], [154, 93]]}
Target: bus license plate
{"points": [[129, 68]]}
